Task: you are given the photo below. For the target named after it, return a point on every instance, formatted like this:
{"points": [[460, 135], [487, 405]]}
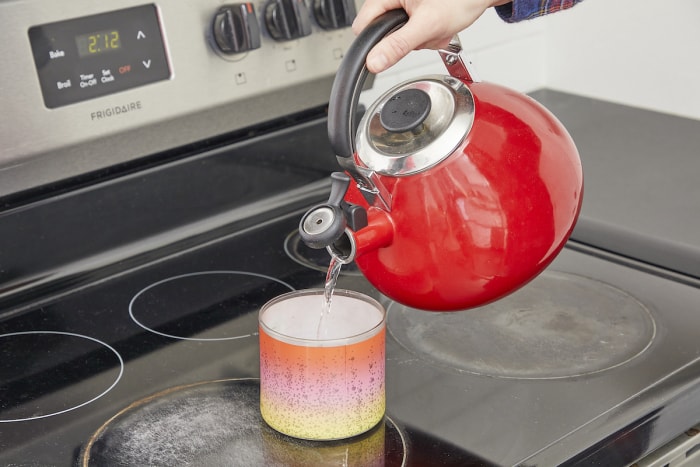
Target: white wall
{"points": [[637, 52]]}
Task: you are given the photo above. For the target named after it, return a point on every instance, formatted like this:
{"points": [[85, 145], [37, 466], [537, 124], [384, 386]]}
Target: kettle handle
{"points": [[350, 79]]}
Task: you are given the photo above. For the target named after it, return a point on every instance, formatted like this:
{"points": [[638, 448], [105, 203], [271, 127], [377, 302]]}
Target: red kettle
{"points": [[454, 193]]}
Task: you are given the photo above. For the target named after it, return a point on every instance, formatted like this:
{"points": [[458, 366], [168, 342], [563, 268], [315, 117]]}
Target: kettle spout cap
{"points": [[323, 225]]}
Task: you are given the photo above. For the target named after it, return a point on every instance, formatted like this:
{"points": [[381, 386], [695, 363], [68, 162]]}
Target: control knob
{"points": [[334, 14], [287, 19], [236, 28]]}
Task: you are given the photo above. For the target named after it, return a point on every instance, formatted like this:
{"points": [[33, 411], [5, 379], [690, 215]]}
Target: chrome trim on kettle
{"points": [[456, 63], [446, 126]]}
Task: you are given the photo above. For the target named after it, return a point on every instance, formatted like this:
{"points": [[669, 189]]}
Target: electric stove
{"points": [[133, 264]]}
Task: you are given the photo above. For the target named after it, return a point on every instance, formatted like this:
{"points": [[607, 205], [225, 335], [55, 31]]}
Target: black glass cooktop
{"points": [[70, 365]]}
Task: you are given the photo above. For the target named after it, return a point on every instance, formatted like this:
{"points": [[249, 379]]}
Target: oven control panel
{"points": [[97, 55], [87, 84]]}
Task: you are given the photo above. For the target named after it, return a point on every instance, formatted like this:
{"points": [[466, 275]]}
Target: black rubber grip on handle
{"points": [[350, 78]]}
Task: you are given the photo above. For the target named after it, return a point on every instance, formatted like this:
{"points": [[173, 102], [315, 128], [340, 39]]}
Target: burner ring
{"points": [[219, 423], [560, 325], [207, 301], [91, 394]]}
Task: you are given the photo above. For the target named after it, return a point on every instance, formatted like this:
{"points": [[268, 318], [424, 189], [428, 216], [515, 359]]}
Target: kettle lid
{"points": [[415, 125]]}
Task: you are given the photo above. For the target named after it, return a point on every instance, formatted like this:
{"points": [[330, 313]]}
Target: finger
{"points": [[413, 35], [370, 10]]}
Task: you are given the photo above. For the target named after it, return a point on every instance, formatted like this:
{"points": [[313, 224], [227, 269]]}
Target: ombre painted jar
{"points": [[322, 379]]}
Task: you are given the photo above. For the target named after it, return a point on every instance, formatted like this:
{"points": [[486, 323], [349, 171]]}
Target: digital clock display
{"points": [[99, 42]]}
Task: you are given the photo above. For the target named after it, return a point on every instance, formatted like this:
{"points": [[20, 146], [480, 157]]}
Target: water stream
{"points": [[331, 279]]}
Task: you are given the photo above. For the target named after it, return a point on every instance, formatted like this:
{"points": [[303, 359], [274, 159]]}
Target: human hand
{"points": [[431, 25]]}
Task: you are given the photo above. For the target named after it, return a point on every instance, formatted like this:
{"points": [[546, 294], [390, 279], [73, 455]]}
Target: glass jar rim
{"points": [[321, 342]]}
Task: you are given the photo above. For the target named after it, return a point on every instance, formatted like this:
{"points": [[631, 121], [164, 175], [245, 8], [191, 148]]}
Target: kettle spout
{"points": [[346, 230], [378, 233]]}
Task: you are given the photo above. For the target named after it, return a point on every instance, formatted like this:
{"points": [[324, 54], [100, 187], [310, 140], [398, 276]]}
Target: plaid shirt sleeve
{"points": [[519, 10]]}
